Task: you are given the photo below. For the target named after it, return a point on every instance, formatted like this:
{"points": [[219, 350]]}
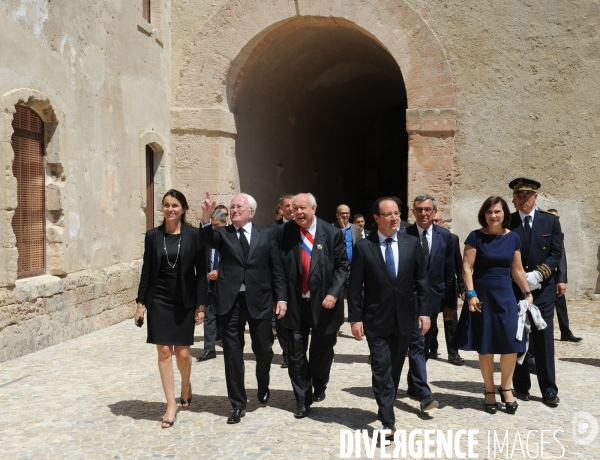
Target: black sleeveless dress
{"points": [[169, 322]]}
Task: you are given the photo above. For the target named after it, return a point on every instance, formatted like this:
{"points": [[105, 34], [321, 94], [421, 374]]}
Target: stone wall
{"points": [[519, 93], [97, 73]]}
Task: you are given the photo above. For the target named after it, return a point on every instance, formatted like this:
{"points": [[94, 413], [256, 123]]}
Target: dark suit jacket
{"points": [[192, 267], [442, 268], [542, 253], [385, 299], [561, 270], [262, 270], [354, 229], [209, 284], [328, 273], [459, 285], [367, 233]]}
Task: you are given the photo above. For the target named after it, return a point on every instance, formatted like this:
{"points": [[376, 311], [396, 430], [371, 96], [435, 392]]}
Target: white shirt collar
{"points": [[313, 228], [247, 228], [285, 221], [382, 237], [421, 230], [523, 215]]}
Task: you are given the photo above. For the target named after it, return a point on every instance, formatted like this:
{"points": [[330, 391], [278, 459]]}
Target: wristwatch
{"points": [[526, 294]]}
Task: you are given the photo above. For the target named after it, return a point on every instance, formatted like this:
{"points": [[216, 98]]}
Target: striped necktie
{"points": [[306, 245], [425, 247]]}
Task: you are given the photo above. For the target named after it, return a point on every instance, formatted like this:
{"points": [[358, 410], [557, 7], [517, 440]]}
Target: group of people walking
{"points": [[398, 279]]}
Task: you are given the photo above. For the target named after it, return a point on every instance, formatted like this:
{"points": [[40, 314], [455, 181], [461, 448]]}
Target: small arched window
{"points": [[29, 221]]}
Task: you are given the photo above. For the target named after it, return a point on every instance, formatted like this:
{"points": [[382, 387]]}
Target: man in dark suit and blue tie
{"points": [[314, 257], [250, 269], [391, 267], [542, 249], [438, 250]]}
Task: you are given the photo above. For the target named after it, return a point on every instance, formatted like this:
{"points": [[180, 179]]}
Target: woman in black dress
{"points": [[173, 290]]}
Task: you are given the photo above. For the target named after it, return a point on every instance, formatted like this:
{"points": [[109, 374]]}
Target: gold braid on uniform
{"points": [[545, 271]]}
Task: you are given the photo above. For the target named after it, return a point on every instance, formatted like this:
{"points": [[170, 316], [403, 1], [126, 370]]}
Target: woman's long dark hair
{"points": [[179, 197]]}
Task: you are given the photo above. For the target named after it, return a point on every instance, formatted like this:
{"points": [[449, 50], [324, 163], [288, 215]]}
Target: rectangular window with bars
{"points": [[29, 220]]}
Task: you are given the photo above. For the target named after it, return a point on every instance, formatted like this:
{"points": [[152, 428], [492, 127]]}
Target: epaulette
{"points": [[546, 212]]}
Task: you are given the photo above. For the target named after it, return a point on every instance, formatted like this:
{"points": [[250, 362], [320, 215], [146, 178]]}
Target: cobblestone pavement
{"points": [[99, 396]]}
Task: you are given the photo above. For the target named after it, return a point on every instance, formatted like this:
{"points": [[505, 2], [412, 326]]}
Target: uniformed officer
{"points": [[541, 240]]}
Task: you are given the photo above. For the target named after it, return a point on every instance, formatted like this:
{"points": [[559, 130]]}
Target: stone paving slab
{"points": [[99, 397]]}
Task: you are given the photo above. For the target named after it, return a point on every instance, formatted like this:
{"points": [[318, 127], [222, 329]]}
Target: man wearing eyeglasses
{"points": [[438, 250], [352, 233], [391, 266]]}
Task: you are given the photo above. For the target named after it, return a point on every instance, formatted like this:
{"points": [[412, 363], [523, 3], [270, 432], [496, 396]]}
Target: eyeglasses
{"points": [[389, 215], [423, 210], [344, 213], [234, 207]]}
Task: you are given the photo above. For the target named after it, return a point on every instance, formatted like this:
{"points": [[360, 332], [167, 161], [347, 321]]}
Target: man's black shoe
{"points": [[428, 403], [456, 359], [551, 400], [570, 338], [284, 363], [318, 397], [235, 416], [302, 411], [522, 395], [206, 356], [433, 354], [263, 396]]}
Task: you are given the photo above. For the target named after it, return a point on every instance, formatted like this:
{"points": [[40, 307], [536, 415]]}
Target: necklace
{"points": [[174, 264]]}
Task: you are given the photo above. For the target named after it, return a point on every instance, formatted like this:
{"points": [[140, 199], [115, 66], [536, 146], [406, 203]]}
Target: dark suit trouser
{"points": [[387, 359], [306, 373], [543, 341], [282, 337], [417, 366], [562, 315], [234, 323], [210, 329], [449, 330]]}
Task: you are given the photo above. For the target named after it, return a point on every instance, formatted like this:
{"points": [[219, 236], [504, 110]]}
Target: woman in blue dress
{"points": [[489, 326]]}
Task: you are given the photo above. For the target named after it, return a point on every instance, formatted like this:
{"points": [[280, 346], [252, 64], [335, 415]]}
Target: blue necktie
{"points": [[389, 258]]}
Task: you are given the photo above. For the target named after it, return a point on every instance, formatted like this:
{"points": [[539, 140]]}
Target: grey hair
{"points": [[251, 201], [311, 197], [423, 197], [283, 197], [218, 214]]}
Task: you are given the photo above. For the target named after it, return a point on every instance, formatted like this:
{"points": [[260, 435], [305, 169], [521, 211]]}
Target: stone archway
{"points": [[203, 123]]}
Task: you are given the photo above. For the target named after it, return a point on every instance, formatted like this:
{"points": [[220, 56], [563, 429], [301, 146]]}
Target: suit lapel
{"points": [[524, 242], [253, 240], [232, 235], [158, 240], [537, 225], [296, 241], [319, 238], [401, 253], [435, 242]]}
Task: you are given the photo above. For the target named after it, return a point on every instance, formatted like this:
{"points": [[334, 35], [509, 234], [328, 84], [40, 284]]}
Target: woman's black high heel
{"points": [[511, 407], [490, 408], [169, 423], [185, 403]]}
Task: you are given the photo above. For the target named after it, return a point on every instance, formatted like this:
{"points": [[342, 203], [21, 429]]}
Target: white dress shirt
{"points": [[383, 246], [428, 234], [248, 234]]}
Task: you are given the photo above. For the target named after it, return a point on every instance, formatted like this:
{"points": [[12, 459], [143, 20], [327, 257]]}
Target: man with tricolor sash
{"points": [[315, 262]]}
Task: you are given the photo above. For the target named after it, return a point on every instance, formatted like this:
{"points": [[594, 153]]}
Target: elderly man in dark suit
{"points": [[438, 250], [313, 254], [390, 265], [285, 205], [542, 249], [249, 270]]}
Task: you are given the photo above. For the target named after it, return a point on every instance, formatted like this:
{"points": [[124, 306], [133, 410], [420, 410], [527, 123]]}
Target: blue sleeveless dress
{"points": [[492, 331]]}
